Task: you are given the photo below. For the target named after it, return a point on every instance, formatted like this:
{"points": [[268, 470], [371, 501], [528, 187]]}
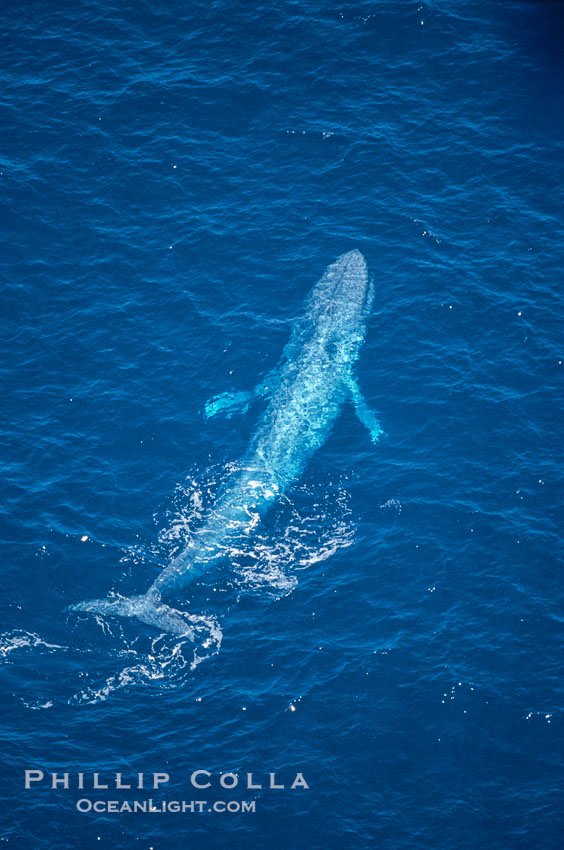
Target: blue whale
{"points": [[306, 393]]}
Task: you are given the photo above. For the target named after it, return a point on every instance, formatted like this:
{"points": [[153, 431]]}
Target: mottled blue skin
{"points": [[311, 386]]}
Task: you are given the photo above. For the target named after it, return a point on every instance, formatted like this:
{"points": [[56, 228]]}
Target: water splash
{"points": [[19, 640], [166, 664], [308, 526], [164, 661]]}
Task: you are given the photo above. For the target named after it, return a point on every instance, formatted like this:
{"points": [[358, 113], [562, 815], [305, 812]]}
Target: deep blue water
{"points": [[175, 178]]}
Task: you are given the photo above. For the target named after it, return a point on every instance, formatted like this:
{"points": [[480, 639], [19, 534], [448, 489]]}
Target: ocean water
{"points": [[175, 178]]}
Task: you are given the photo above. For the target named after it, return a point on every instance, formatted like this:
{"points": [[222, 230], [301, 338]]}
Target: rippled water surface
{"points": [[175, 179]]}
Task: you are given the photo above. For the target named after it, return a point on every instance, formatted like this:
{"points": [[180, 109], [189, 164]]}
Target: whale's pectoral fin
{"points": [[269, 384], [228, 404], [363, 411]]}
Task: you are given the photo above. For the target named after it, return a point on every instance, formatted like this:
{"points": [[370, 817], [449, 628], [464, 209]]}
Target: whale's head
{"points": [[352, 293], [333, 325], [339, 305]]}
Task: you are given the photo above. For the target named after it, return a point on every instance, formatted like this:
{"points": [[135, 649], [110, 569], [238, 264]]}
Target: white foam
{"points": [[19, 639]]}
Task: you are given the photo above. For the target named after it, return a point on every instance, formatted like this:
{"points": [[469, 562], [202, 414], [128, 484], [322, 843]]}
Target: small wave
{"points": [[37, 706], [17, 649], [393, 504]]}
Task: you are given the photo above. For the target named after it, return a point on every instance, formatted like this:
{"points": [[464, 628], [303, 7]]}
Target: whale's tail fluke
{"points": [[145, 608]]}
